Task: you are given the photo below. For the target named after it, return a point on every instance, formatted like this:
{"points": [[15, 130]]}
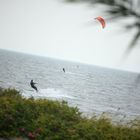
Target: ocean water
{"points": [[94, 90]]}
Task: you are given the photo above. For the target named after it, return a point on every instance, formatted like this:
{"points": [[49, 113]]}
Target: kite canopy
{"points": [[101, 20]]}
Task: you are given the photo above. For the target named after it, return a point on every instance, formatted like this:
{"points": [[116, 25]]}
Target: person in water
{"points": [[33, 85], [64, 69]]}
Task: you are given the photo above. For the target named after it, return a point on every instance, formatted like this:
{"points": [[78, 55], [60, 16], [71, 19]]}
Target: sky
{"points": [[66, 31]]}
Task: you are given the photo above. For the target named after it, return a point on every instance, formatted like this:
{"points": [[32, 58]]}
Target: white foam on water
{"points": [[47, 93]]}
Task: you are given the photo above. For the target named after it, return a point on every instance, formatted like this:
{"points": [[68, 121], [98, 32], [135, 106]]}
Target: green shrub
{"points": [[43, 119]]}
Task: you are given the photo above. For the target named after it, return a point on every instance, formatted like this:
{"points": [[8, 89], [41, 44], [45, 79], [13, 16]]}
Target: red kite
{"points": [[101, 20]]}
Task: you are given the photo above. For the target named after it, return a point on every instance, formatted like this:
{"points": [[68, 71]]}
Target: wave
{"points": [[47, 93]]}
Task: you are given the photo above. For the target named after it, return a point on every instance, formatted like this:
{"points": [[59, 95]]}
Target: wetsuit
{"points": [[33, 85], [63, 69]]}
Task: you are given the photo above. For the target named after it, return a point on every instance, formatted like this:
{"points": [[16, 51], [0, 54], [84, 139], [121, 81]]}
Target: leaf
{"points": [[135, 39]]}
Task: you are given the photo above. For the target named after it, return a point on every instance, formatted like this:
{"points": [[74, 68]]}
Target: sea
{"points": [[94, 90]]}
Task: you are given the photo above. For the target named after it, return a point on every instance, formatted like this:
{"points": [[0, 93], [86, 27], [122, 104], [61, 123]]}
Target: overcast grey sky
{"points": [[66, 31]]}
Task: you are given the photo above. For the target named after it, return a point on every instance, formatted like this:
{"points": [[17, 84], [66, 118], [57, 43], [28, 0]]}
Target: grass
{"points": [[42, 119]]}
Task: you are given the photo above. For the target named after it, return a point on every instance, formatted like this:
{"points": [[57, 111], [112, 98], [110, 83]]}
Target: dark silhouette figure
{"points": [[33, 85], [64, 69]]}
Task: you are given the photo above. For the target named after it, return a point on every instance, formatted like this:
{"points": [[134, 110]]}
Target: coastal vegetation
{"points": [[43, 119]]}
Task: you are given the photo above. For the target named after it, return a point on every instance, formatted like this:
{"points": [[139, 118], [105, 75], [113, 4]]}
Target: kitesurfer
{"points": [[64, 69], [33, 85]]}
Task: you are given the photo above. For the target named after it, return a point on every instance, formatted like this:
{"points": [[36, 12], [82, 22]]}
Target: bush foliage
{"points": [[43, 119]]}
